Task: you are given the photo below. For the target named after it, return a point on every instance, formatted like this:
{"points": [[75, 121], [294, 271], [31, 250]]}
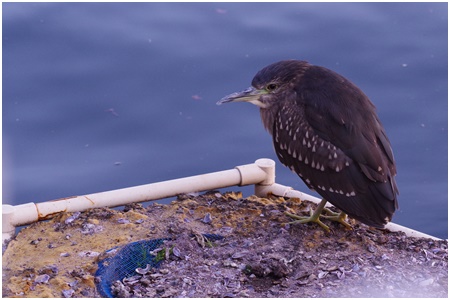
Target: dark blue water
{"points": [[100, 96]]}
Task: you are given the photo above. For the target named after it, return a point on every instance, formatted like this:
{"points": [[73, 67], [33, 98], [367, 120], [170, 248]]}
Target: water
{"points": [[100, 96]]}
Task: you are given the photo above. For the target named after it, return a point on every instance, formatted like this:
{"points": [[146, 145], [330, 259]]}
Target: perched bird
{"points": [[326, 130]]}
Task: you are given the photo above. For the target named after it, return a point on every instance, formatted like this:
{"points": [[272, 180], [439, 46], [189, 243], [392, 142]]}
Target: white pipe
{"points": [[289, 192], [285, 191], [262, 171], [409, 232]]}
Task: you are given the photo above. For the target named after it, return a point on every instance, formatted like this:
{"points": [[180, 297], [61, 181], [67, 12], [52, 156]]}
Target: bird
{"points": [[326, 130]]}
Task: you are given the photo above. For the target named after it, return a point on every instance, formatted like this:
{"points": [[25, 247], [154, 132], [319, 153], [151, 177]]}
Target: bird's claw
{"points": [[337, 217], [314, 217], [310, 219]]}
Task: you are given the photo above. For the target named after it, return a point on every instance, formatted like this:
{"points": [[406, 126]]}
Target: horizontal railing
{"points": [[261, 174]]}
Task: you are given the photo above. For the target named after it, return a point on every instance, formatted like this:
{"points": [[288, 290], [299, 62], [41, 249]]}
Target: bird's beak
{"points": [[251, 95]]}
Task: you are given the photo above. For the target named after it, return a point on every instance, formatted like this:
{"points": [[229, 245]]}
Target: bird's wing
{"points": [[340, 113], [338, 147], [328, 170]]}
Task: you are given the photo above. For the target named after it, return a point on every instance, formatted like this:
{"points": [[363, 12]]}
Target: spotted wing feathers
{"points": [[340, 151]]}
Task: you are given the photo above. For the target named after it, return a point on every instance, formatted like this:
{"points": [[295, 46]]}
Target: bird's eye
{"points": [[271, 87]]}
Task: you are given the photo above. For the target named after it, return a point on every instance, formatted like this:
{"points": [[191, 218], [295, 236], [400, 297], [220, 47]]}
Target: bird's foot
{"points": [[310, 219], [337, 217], [315, 217]]}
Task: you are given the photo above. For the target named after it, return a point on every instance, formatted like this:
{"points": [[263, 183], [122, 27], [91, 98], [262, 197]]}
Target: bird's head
{"points": [[269, 83]]}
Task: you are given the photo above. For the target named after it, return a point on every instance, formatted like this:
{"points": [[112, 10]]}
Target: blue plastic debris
{"points": [[122, 262]]}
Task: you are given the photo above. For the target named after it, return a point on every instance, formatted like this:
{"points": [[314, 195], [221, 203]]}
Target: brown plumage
{"points": [[326, 130]]}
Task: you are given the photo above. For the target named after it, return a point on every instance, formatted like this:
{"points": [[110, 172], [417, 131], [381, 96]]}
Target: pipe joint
{"points": [[260, 172]]}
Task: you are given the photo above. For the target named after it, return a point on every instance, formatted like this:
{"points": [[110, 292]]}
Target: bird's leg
{"points": [[315, 216]]}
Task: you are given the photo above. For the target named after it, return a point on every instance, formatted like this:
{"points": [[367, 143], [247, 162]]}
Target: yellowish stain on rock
{"points": [[72, 247]]}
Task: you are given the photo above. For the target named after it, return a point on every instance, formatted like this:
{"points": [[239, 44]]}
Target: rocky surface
{"points": [[262, 255]]}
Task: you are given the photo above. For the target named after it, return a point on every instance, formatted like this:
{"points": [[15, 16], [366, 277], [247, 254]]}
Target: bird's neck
{"points": [[268, 117]]}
